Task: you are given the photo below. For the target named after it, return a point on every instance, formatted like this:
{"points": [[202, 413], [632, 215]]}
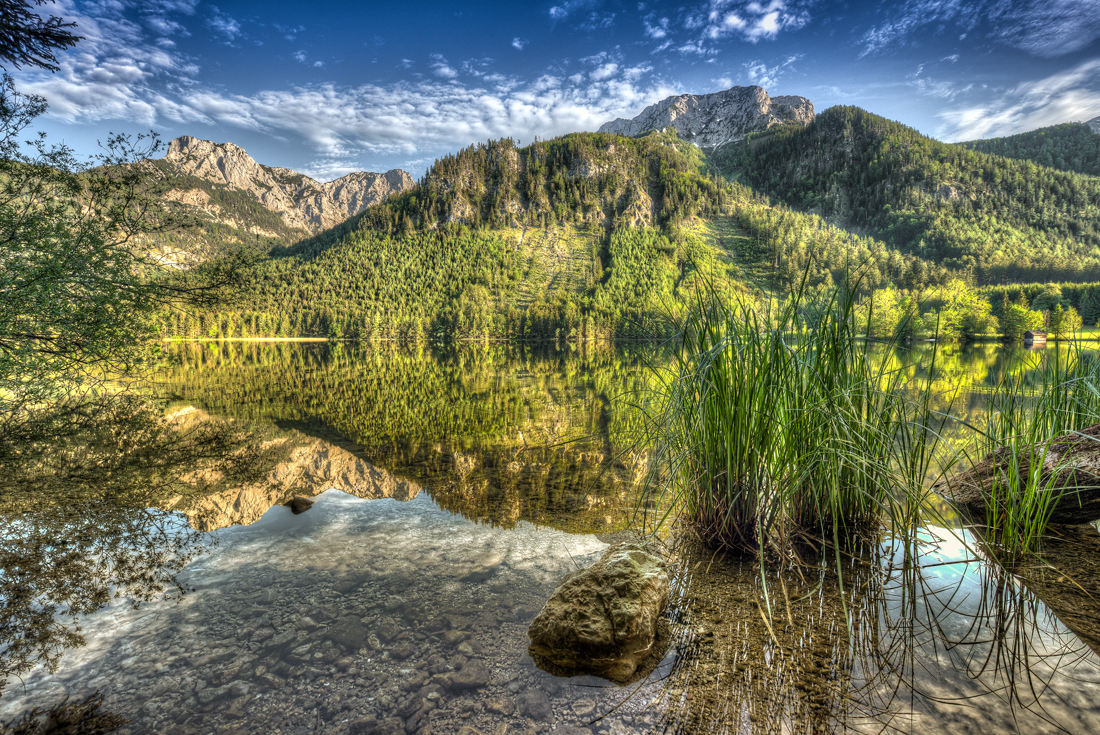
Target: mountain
{"points": [[1067, 147], [233, 199], [586, 236], [713, 120], [997, 217]]}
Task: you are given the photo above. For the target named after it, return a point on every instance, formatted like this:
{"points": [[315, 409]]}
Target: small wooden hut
{"points": [[1035, 338]]}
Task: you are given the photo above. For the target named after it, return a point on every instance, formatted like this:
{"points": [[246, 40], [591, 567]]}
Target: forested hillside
{"points": [[1001, 219], [585, 236], [1066, 147]]}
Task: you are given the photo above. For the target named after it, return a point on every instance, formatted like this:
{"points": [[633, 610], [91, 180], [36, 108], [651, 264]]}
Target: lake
{"points": [[453, 488]]}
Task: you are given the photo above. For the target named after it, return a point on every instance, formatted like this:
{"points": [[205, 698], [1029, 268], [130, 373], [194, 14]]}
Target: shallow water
{"points": [[400, 601]]}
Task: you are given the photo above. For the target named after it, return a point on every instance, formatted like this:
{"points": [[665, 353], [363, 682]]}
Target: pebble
{"points": [[284, 644]]}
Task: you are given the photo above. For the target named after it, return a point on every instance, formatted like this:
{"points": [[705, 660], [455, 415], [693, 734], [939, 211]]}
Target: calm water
{"points": [[453, 490]]}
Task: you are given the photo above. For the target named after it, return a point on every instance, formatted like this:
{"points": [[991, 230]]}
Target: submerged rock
{"points": [[473, 675], [1071, 467], [604, 619], [299, 504]]}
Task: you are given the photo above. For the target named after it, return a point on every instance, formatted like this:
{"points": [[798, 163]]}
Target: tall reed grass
{"points": [[1056, 393], [778, 421]]}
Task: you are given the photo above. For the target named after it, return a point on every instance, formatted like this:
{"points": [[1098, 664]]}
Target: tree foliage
{"points": [[79, 280], [1066, 147], [28, 39]]}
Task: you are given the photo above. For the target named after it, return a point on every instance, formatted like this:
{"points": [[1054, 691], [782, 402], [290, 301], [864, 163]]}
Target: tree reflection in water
{"points": [[83, 520]]}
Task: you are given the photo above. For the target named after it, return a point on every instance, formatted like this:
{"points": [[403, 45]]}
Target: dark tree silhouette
{"points": [[28, 39]]}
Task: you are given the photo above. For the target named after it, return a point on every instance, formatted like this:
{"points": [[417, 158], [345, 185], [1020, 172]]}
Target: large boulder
{"points": [[604, 620], [1072, 461]]}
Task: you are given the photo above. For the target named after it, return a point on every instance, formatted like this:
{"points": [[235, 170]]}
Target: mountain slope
{"points": [[713, 120], [969, 211], [232, 199], [1067, 147], [590, 235]]}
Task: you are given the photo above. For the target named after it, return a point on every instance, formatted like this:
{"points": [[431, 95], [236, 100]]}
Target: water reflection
{"points": [[498, 434], [924, 640], [401, 600], [85, 522]]}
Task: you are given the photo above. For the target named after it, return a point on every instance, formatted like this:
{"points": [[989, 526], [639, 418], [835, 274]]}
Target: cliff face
{"points": [[712, 120], [1094, 123], [301, 202]]}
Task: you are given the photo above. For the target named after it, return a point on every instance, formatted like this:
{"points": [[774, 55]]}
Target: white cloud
{"points": [[750, 21], [1073, 94], [299, 56], [939, 89], [166, 26], [656, 28], [121, 73], [1046, 28], [289, 32], [406, 118], [518, 43], [929, 87], [596, 21], [221, 23], [111, 73], [604, 72], [441, 68], [760, 74], [560, 12]]}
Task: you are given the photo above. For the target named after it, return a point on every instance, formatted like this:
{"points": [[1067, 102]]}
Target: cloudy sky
{"points": [[332, 87]]}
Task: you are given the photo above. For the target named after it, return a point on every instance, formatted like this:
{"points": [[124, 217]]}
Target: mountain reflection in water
{"points": [[468, 483]]}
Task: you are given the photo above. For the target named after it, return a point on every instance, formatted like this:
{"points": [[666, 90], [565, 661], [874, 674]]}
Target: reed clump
{"points": [[1054, 394], [777, 420]]}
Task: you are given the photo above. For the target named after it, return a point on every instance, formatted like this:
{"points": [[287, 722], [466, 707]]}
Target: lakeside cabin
{"points": [[1035, 338]]}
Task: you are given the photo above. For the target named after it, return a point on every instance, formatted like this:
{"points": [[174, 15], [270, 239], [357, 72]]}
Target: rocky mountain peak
{"points": [[301, 201], [712, 120], [1094, 123]]}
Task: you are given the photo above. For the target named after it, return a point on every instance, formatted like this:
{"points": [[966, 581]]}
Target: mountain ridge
{"points": [[989, 214], [300, 201], [713, 120]]}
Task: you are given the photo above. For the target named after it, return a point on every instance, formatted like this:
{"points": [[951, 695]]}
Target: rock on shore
{"points": [[604, 619], [1071, 466]]}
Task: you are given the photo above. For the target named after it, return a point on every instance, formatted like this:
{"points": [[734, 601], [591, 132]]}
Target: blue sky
{"points": [[332, 87]]}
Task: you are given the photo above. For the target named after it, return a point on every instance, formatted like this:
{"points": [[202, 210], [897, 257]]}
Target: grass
{"points": [[1057, 395], [778, 422]]}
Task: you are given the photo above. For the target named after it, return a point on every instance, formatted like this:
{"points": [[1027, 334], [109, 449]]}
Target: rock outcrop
{"points": [[1071, 468], [300, 201], [712, 120], [604, 620], [298, 504], [1094, 123]]}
